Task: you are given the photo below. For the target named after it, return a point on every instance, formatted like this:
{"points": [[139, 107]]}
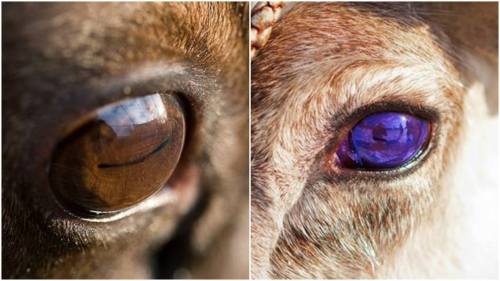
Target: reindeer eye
{"points": [[384, 140], [124, 154]]}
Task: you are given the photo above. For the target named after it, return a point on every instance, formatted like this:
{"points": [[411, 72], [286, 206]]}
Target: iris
{"points": [[124, 153], [384, 140]]}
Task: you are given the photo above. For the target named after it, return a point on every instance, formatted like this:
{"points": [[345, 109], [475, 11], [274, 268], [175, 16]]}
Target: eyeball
{"points": [[126, 152], [384, 140]]}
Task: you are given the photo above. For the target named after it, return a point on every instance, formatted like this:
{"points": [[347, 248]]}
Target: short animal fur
{"points": [[63, 60], [323, 62]]}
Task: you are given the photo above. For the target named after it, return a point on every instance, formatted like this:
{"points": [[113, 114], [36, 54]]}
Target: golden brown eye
{"points": [[124, 154]]}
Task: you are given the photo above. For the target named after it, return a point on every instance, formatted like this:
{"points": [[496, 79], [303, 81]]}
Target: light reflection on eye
{"points": [[124, 117], [124, 154]]}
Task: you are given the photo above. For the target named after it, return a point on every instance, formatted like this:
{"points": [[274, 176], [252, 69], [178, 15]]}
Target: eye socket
{"points": [[383, 141], [126, 152]]}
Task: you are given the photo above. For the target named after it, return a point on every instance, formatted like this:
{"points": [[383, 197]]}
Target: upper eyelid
{"points": [[346, 119], [178, 78], [165, 77], [379, 86], [358, 90]]}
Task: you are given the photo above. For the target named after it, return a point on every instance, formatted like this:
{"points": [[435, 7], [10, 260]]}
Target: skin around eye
{"points": [[124, 154], [384, 140]]}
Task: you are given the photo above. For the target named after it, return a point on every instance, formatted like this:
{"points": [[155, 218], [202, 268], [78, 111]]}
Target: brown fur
{"points": [[323, 63], [62, 61]]}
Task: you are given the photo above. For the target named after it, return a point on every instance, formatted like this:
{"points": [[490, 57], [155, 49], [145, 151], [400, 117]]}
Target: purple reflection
{"points": [[383, 140]]}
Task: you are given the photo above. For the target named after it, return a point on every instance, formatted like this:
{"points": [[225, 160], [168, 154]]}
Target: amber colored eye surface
{"points": [[126, 152]]}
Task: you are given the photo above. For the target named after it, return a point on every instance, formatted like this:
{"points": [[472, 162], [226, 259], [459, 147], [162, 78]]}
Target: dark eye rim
{"points": [[343, 122]]}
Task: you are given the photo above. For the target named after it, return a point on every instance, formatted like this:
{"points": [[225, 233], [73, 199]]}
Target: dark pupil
{"points": [[384, 140]]}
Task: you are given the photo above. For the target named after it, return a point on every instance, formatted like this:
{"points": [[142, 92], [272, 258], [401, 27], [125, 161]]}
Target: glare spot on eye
{"points": [[133, 113]]}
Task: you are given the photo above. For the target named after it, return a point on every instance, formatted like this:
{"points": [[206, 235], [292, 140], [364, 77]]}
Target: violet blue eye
{"points": [[384, 140]]}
